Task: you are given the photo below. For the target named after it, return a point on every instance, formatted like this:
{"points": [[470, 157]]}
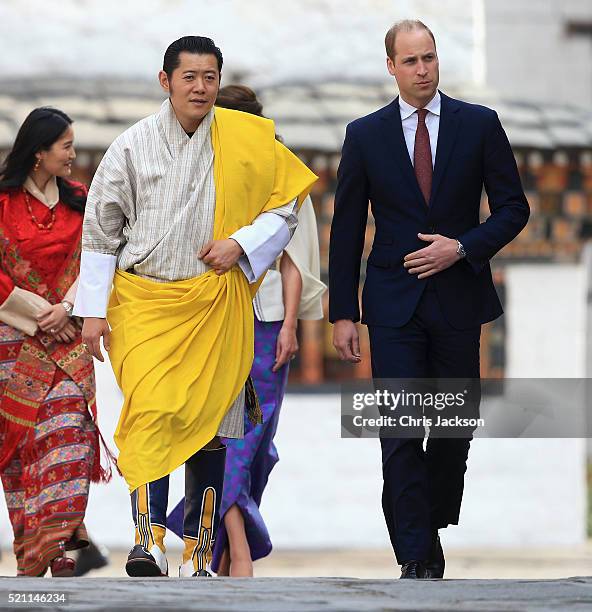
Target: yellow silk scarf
{"points": [[181, 351]]}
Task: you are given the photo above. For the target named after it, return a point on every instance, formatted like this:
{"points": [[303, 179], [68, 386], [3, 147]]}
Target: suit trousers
{"points": [[423, 487]]}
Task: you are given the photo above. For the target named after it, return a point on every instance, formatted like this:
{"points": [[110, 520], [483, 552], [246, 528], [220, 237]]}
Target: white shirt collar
{"points": [[49, 196], [433, 106]]}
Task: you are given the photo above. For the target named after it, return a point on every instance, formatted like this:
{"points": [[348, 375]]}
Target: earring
{"points": [[37, 164]]}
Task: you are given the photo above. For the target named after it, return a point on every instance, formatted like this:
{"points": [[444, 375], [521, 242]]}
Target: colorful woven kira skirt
{"points": [[47, 496]]}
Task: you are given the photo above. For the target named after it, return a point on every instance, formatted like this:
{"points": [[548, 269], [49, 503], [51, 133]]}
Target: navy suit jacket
{"points": [[473, 153]]}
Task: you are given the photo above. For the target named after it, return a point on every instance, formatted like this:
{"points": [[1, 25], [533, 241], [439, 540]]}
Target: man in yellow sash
{"points": [[187, 210]]}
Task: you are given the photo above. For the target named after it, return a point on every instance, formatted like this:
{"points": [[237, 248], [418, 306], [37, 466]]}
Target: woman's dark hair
{"points": [[191, 44], [42, 127], [241, 98]]}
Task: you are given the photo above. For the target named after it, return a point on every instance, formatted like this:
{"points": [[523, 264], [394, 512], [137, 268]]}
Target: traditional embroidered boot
{"points": [[204, 478], [149, 506]]}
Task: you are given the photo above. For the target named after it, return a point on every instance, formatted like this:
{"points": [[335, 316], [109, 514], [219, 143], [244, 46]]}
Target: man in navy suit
{"points": [[422, 162]]}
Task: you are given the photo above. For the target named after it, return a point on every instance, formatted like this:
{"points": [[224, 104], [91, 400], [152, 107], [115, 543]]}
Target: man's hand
{"points": [[221, 255], [92, 331], [430, 260], [347, 340]]}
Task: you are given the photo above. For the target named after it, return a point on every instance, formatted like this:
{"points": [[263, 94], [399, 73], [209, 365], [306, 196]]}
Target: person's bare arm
{"points": [[287, 342]]}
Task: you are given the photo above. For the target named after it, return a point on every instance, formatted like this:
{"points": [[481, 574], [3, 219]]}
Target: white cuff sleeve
{"points": [[94, 286], [262, 242]]}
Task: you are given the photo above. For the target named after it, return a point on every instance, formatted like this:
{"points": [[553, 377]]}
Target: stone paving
{"points": [[304, 594]]}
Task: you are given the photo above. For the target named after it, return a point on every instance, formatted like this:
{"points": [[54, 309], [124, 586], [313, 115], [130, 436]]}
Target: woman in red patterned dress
{"points": [[49, 448]]}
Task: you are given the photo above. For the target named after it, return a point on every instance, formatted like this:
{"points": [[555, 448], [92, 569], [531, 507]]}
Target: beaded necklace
{"points": [[34, 218]]}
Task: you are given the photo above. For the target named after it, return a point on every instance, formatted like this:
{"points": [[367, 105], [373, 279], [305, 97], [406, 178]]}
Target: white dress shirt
{"points": [[409, 122]]}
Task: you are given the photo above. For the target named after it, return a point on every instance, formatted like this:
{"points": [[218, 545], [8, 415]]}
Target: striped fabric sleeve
{"points": [[110, 196], [289, 213]]}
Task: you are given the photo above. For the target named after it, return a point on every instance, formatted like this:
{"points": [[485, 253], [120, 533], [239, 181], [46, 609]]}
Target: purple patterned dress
{"points": [[249, 461]]}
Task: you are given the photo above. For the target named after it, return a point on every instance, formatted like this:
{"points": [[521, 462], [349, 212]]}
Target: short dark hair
{"points": [[201, 45], [406, 25]]}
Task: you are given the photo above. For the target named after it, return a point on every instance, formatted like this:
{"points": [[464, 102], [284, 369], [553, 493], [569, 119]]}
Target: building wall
{"points": [[527, 43]]}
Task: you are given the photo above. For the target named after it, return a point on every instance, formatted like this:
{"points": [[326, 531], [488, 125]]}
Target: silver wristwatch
{"points": [[68, 308], [460, 249]]}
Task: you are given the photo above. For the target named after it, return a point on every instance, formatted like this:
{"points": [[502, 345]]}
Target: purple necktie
{"points": [[422, 156]]}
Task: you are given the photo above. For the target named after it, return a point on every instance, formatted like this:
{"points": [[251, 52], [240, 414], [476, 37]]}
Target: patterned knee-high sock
{"points": [[204, 479], [149, 506]]}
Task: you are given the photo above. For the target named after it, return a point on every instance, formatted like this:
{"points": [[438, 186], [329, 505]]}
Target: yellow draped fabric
{"points": [[181, 351]]}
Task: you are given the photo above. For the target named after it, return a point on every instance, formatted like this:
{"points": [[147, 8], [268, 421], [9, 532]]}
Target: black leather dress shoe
{"points": [[141, 563], [436, 563], [413, 570]]}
